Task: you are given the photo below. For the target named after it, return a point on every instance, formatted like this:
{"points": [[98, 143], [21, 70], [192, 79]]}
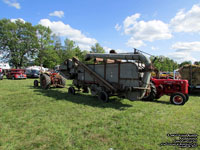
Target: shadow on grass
{"points": [[81, 98], [159, 101], [195, 94]]}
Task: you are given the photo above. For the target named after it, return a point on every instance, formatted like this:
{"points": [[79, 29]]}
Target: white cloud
{"points": [[187, 21], [134, 43], [121, 51], [184, 51], [148, 31], [65, 30], [131, 20], [22, 20], [107, 50], [186, 46], [181, 56], [13, 3], [118, 27], [154, 48], [141, 31], [59, 14]]}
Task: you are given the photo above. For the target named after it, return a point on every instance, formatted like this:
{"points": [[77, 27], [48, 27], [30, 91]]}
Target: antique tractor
{"points": [[176, 89], [124, 75], [49, 79]]}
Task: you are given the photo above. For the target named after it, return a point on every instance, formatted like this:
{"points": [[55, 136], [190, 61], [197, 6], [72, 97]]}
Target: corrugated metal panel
{"points": [[112, 72], [129, 70], [128, 73]]}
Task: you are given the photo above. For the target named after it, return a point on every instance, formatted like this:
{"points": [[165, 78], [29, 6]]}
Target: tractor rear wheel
{"points": [[35, 83], [151, 95], [178, 99], [103, 96], [45, 81]]}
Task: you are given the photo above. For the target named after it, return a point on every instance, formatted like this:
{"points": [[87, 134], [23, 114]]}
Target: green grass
{"points": [[32, 118]]}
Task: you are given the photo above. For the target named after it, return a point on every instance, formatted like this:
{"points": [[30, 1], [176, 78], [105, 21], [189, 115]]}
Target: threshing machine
{"points": [[125, 75]]}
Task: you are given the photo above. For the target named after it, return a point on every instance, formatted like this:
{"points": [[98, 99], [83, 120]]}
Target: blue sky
{"points": [[160, 27]]}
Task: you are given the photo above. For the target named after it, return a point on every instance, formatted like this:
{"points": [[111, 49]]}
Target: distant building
{"points": [[5, 66]]}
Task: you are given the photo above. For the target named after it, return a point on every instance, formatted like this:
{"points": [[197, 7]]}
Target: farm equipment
{"points": [[176, 89], [49, 79], [112, 76], [192, 74]]}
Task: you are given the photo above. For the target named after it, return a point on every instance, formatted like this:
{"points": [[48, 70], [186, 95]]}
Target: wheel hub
{"points": [[178, 99]]}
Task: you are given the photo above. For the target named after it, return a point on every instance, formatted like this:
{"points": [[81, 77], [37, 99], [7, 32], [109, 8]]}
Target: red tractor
{"points": [[176, 89], [49, 79]]}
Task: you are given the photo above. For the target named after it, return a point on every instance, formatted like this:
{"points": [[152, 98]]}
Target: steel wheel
{"points": [[178, 99], [35, 83], [71, 90], [103, 96]]}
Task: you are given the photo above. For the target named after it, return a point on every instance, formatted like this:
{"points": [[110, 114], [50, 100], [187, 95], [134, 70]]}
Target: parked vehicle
{"points": [[1, 74], [33, 73], [16, 74]]}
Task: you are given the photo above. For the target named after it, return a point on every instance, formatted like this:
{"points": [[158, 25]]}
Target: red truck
{"points": [[16, 74]]}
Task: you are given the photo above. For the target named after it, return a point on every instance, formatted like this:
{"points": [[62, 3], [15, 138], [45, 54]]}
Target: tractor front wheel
{"points": [[35, 83], [178, 99]]}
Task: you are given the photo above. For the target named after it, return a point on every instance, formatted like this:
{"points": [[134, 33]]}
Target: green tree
{"points": [[19, 40], [185, 63], [51, 59], [69, 48], [163, 63], [197, 63], [44, 41], [56, 42], [97, 48]]}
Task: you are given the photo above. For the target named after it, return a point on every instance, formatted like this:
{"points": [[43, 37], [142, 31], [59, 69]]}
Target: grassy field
{"points": [[32, 118]]}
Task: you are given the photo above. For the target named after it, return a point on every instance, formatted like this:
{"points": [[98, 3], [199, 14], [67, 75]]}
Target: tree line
{"points": [[22, 43]]}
